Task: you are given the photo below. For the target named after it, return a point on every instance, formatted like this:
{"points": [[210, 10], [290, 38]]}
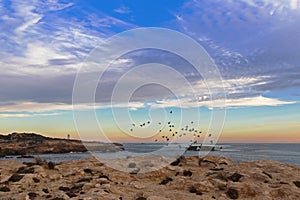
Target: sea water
{"points": [[286, 153]]}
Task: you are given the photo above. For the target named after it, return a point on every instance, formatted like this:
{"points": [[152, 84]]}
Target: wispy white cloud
{"points": [[38, 41], [36, 108], [22, 115], [25, 12], [229, 103], [123, 10]]}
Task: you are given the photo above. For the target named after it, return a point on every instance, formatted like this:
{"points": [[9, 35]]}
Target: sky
{"points": [[254, 44]]}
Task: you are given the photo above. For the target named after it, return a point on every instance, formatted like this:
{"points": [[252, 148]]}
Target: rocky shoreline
{"points": [[31, 143], [185, 178]]}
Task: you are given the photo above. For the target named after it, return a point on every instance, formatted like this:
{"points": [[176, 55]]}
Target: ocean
{"points": [[286, 153]]}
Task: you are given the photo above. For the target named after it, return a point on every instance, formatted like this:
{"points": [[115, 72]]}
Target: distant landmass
{"points": [[32, 143]]}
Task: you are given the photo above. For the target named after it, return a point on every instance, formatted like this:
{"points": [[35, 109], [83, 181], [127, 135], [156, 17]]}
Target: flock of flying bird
{"points": [[170, 126]]}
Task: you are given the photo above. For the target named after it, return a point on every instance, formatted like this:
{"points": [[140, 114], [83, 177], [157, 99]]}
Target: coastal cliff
{"points": [[185, 178], [31, 143]]}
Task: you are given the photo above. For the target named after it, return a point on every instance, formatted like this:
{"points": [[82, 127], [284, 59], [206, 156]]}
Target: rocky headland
{"points": [[185, 178], [31, 143]]}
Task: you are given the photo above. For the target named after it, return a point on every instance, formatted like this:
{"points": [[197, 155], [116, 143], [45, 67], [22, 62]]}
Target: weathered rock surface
{"points": [[91, 179], [30, 143]]}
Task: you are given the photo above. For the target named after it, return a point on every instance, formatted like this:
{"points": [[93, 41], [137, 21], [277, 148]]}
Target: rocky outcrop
{"points": [[30, 143], [91, 179]]}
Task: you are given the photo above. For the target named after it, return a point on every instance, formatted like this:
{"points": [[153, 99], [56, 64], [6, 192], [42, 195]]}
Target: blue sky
{"points": [[255, 45]]}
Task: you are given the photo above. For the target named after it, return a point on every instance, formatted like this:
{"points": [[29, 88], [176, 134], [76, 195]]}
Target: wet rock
{"points": [[284, 183], [267, 174], [175, 163], [216, 169], [88, 171], [71, 194], [15, 178], [193, 189], [165, 181], [131, 165], [199, 193], [63, 188], [232, 193], [84, 180], [51, 165], [76, 188], [32, 195], [187, 173], [297, 183], [222, 187], [45, 190], [235, 177], [36, 180], [178, 161], [25, 170], [4, 189]]}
